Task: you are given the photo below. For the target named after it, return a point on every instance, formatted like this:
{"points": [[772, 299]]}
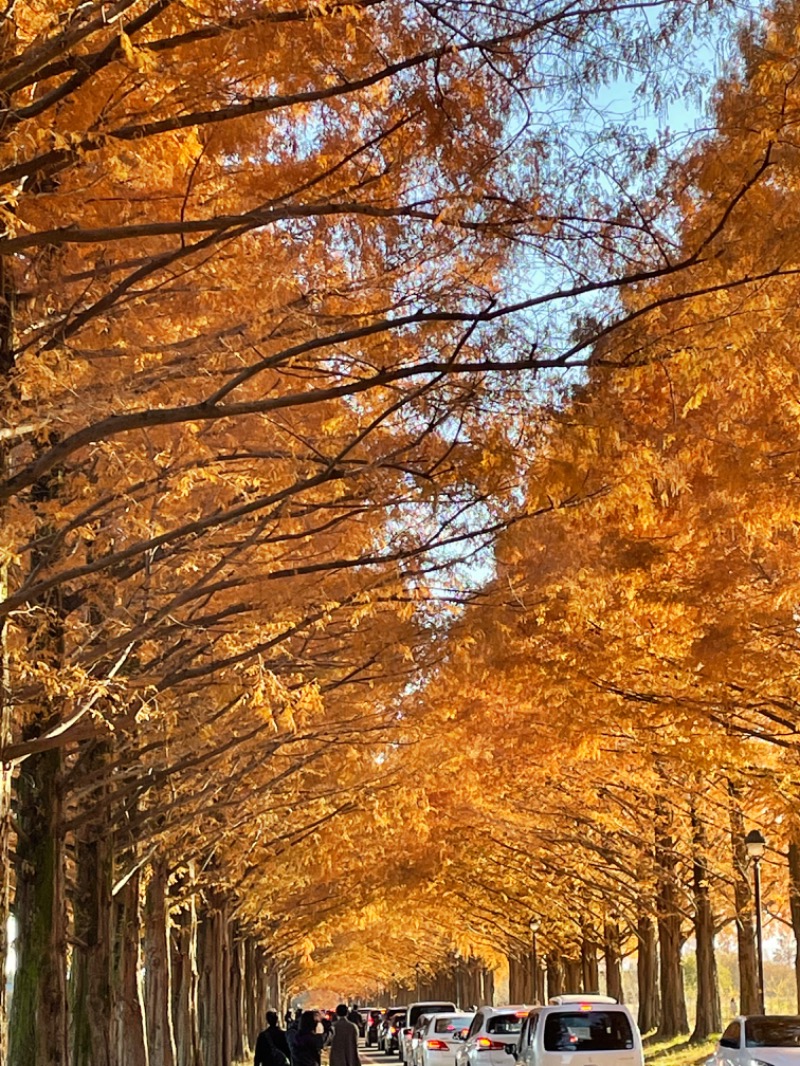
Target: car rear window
{"points": [[452, 1025], [596, 1030], [772, 1032], [429, 1008], [505, 1024]]}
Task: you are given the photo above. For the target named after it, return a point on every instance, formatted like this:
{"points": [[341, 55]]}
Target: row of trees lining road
{"points": [[621, 705], [397, 475]]}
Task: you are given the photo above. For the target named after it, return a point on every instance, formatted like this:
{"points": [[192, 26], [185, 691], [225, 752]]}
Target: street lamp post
{"points": [[534, 927], [416, 973], [755, 844]]}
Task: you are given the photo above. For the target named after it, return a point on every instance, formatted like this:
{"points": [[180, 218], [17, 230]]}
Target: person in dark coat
{"points": [[307, 1045], [273, 1037], [344, 1044]]}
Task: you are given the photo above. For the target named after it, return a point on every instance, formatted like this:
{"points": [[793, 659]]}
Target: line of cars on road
{"points": [[570, 1030]]}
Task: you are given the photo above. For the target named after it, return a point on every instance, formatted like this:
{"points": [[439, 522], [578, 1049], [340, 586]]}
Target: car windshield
{"points": [[772, 1032], [596, 1030], [505, 1024], [452, 1025]]}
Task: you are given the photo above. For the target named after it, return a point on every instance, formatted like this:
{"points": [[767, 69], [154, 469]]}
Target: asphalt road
{"points": [[373, 1057]]}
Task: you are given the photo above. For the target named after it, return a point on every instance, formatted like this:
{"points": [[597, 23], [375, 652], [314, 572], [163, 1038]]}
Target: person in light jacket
{"points": [[344, 1043]]}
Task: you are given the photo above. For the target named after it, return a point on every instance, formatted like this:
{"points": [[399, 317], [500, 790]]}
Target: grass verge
{"points": [[678, 1052]]}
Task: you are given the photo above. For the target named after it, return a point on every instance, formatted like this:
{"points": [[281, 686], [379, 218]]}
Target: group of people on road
{"points": [[305, 1036]]}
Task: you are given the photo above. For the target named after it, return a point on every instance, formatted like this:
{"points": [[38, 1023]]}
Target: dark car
{"points": [[396, 1023], [371, 1028], [387, 1038]]}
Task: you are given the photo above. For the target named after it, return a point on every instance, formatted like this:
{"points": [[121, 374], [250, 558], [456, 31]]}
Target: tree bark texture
{"points": [[647, 971], [157, 968], [794, 905], [612, 955], [743, 909], [6, 784], [38, 1015], [90, 988], [185, 980], [708, 1016], [573, 975], [129, 1039], [674, 1019], [520, 983], [555, 975], [590, 970], [239, 1044], [214, 965]]}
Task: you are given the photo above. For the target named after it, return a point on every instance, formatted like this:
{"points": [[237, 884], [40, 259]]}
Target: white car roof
{"points": [[512, 1008], [588, 997]]}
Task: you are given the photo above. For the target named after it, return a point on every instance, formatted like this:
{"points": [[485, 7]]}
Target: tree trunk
{"points": [[647, 972], [6, 780], [488, 987], [555, 975], [213, 964], [158, 972], [590, 971], [240, 1047], [573, 975], [612, 955], [90, 988], [749, 1000], [185, 1009], [708, 1017], [519, 980], [38, 1016], [129, 1039], [674, 1020], [7, 361], [251, 992], [794, 905], [262, 1005]]}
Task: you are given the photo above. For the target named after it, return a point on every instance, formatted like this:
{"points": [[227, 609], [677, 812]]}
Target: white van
{"points": [[579, 1030]]}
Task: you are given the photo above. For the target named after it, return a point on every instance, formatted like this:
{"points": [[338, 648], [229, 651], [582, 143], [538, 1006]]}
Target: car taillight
{"points": [[407, 1032], [393, 1029], [436, 1045], [483, 1043]]}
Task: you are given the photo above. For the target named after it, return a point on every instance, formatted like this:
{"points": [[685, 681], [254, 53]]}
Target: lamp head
{"points": [[534, 925], [755, 844]]}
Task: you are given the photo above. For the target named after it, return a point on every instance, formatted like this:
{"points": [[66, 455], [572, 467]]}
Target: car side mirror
{"points": [[511, 1049]]}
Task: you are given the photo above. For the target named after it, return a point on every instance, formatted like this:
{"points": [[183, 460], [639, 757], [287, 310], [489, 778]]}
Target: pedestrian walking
{"points": [[308, 1043], [344, 1044], [272, 1047]]}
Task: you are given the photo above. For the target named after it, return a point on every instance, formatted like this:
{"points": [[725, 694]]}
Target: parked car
{"points": [[771, 1039], [414, 1012], [490, 1032], [580, 1030], [440, 1037]]}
